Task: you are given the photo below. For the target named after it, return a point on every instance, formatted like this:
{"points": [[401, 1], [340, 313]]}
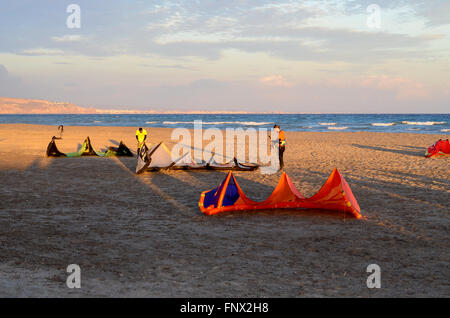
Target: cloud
{"points": [[211, 35], [10, 85], [435, 12], [447, 90], [67, 38], [275, 80], [41, 51], [363, 94], [206, 29], [3, 72], [405, 89], [169, 66], [400, 88], [377, 94]]}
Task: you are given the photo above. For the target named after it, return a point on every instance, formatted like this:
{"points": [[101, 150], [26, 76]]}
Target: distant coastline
{"points": [[23, 106], [9, 105]]}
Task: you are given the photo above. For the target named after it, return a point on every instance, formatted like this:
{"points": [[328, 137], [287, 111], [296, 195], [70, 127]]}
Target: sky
{"points": [[334, 56]]}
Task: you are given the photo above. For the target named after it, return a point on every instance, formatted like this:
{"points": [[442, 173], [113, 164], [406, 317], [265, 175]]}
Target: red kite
{"points": [[335, 194]]}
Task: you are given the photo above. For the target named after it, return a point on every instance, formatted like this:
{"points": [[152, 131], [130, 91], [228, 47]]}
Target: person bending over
{"points": [[141, 136]]}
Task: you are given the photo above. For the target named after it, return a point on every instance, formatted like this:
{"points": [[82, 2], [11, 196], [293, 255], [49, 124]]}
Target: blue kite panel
{"points": [[231, 195], [211, 198]]}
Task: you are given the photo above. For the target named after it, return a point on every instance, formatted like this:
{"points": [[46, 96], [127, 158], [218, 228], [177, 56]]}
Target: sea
{"points": [[398, 123]]}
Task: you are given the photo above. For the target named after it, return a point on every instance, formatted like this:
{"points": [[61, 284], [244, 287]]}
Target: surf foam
{"points": [[423, 123], [383, 124]]}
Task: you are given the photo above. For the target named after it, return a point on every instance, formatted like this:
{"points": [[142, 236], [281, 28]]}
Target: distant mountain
{"points": [[35, 106], [10, 105]]}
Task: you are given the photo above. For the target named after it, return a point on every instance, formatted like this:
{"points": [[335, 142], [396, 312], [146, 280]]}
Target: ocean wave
{"points": [[337, 128], [383, 124], [97, 121], [176, 122], [254, 123], [218, 122], [151, 122], [445, 130], [423, 123], [327, 124], [245, 123]]}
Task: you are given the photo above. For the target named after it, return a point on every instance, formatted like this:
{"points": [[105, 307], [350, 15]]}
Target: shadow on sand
{"points": [[129, 229], [396, 151]]}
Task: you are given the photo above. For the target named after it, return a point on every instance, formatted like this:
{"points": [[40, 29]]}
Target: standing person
{"points": [[281, 143], [141, 136]]}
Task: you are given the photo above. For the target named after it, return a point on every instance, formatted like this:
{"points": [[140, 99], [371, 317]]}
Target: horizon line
{"points": [[144, 112]]}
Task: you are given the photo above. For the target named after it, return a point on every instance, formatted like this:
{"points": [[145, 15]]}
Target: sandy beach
{"points": [[144, 235]]}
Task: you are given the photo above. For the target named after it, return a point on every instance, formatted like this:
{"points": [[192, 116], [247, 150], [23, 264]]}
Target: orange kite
{"points": [[335, 194]]}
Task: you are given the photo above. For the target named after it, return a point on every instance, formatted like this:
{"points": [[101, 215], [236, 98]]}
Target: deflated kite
{"points": [[159, 157], [87, 150], [439, 148], [335, 195]]}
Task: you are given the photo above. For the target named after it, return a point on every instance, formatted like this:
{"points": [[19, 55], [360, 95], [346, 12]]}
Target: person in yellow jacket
{"points": [[282, 144], [141, 136]]}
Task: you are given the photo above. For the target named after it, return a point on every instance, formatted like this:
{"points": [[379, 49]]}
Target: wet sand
{"points": [[143, 235]]}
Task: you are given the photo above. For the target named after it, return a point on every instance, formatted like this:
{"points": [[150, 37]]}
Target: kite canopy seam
{"points": [[335, 195]]}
